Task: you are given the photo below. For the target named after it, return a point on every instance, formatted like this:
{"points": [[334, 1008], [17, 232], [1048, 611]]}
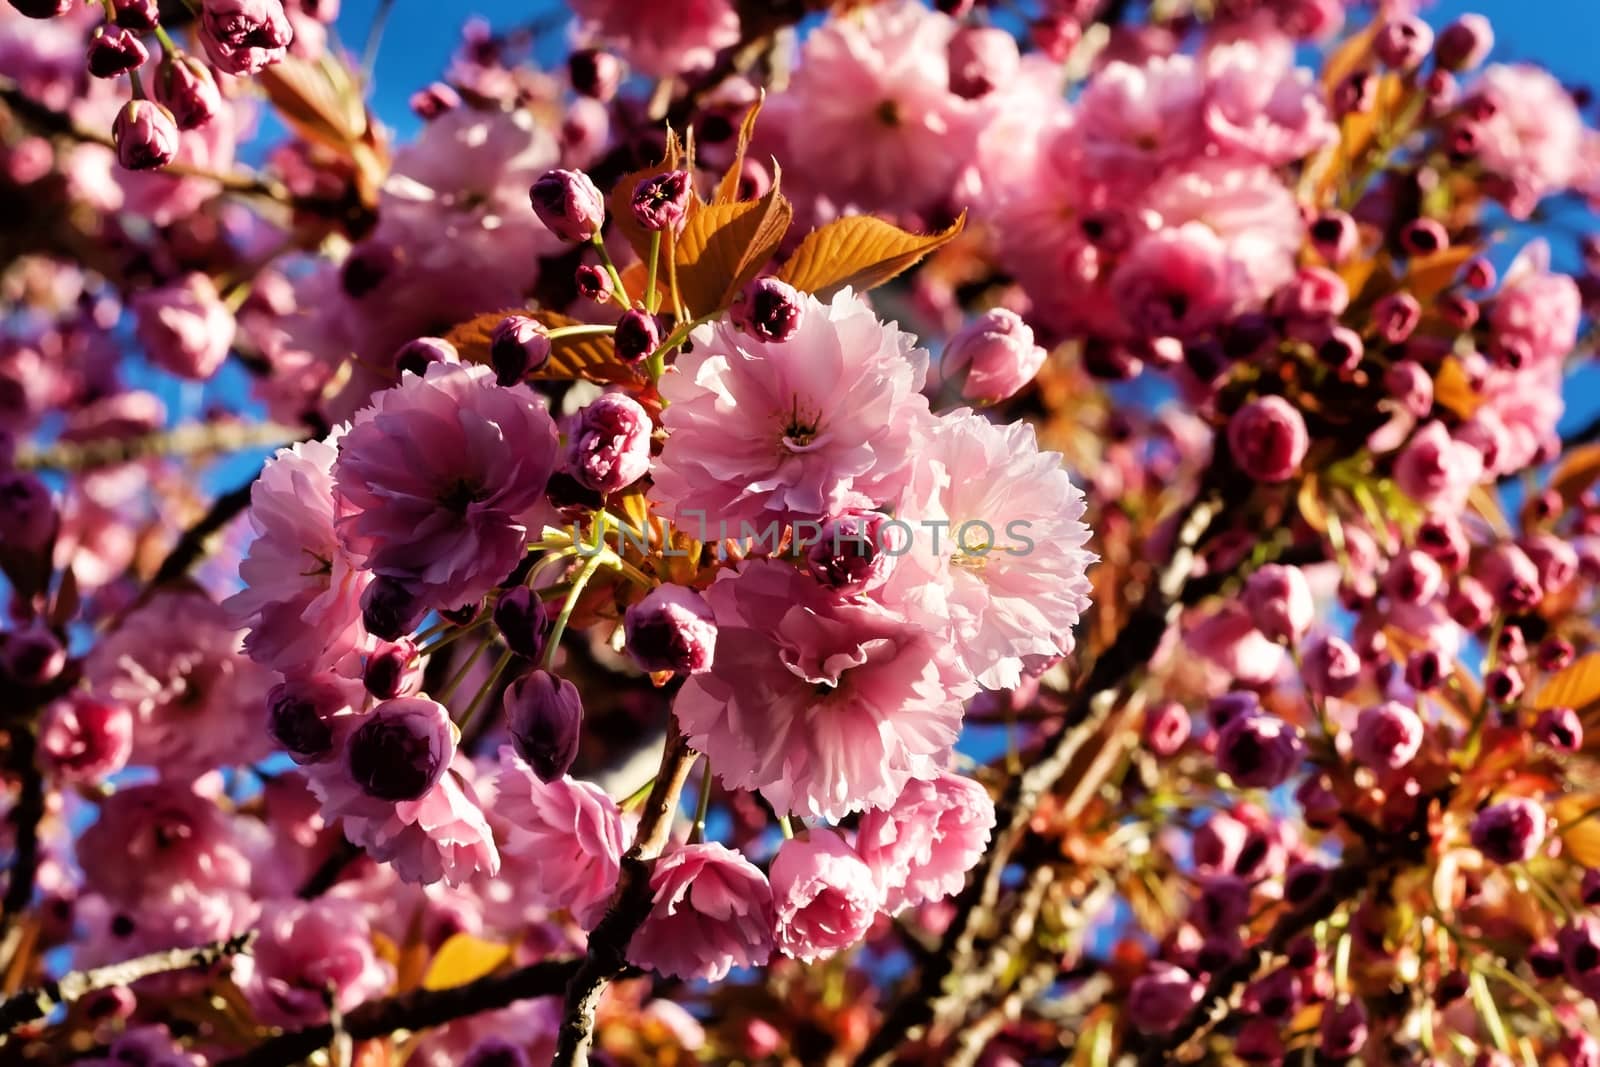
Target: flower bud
{"points": [[543, 716], [1343, 1030], [768, 310], [1413, 577], [637, 336], [185, 87], [981, 59], [42, 9], [1278, 599], [115, 51], [1403, 43], [518, 347], [523, 622], [185, 326], [392, 670], [1387, 736], [1411, 386], [1480, 273], [661, 202], [568, 203], [84, 740], [244, 36], [27, 513], [1166, 728], [1464, 44], [433, 100], [300, 714], [1555, 654], [1276, 996], [671, 629], [1470, 604], [1332, 667], [1268, 439], [1424, 237], [1234, 704], [852, 554], [594, 283], [146, 136], [1424, 669], [1544, 960], [1315, 293], [1503, 685], [1511, 645], [32, 657], [1579, 942], [402, 748], [1437, 470], [998, 354], [420, 353], [1396, 316], [1440, 535], [1555, 560], [1560, 728], [390, 610], [1334, 236], [1511, 578], [1356, 94], [1341, 348], [141, 16], [1509, 832], [1159, 999], [594, 73], [608, 447], [1258, 751]]}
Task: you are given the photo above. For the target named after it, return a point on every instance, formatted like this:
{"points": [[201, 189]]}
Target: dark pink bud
{"points": [[1464, 44], [1579, 942], [1303, 882], [1424, 237], [84, 740], [1509, 832], [27, 512], [1479, 274], [1268, 439], [392, 671], [420, 353], [1560, 728], [1512, 646], [1470, 604], [1503, 685], [594, 73], [1410, 385], [430, 102], [1276, 996], [1424, 669], [1356, 94], [43, 9], [146, 135], [662, 202], [853, 552], [672, 629], [1555, 560], [1511, 578], [1166, 728], [1341, 348], [367, 267], [1387, 736], [594, 283], [996, 352], [389, 610], [608, 447], [1442, 537], [1258, 751], [300, 714], [1413, 577], [1396, 316], [982, 58], [1343, 1031], [1315, 293], [1334, 236], [544, 715], [768, 309], [1223, 906], [523, 621], [244, 36], [1234, 704], [568, 203], [1278, 599], [637, 336], [141, 16], [1403, 43], [1555, 654], [1159, 999], [31, 657], [518, 347], [402, 748], [1332, 667], [185, 87], [115, 51]]}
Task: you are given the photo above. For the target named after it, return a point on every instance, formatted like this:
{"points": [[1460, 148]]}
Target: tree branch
{"points": [[34, 1004], [25, 816]]}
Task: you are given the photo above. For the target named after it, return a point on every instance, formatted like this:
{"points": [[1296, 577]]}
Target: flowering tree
{"points": [[567, 614]]}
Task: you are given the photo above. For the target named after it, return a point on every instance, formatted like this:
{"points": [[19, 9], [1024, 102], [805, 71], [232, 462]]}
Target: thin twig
{"points": [[25, 817]]}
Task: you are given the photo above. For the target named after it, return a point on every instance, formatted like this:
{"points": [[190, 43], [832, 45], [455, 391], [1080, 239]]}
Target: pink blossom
{"points": [[84, 740], [1535, 136], [1436, 471], [1261, 107], [573, 830], [826, 897], [1230, 640], [923, 845], [305, 952], [662, 39], [824, 705], [151, 839], [998, 532], [177, 663], [185, 327], [1174, 282], [440, 835], [712, 912], [997, 352], [1137, 121], [796, 429], [1536, 314], [434, 479], [302, 593]]}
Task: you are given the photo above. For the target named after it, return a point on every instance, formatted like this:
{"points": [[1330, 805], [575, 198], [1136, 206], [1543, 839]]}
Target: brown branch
{"points": [[31, 1005], [25, 816], [414, 1011], [191, 546], [607, 954], [194, 439]]}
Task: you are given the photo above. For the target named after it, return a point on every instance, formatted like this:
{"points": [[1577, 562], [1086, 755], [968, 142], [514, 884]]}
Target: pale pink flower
{"points": [[1230, 640], [1535, 136], [712, 912], [153, 839], [1536, 314], [442, 835], [1137, 121], [302, 593], [662, 38], [1175, 282], [824, 705], [434, 479], [998, 529], [1437, 471], [785, 430], [869, 115], [572, 829], [825, 896], [922, 846], [1259, 106], [178, 664], [306, 951], [184, 327]]}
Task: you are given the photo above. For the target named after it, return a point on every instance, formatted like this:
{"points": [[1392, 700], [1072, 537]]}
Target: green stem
{"points": [[585, 330], [702, 804], [783, 824], [638, 795], [167, 44], [556, 631], [611, 268], [652, 299], [449, 688], [488, 687]]}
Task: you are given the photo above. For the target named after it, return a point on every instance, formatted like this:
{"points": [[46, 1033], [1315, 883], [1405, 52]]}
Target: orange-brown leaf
{"points": [[1453, 391], [861, 252], [321, 101], [723, 246], [1346, 59], [1577, 471], [1431, 275], [1580, 838], [462, 959], [1577, 686], [591, 357], [728, 188]]}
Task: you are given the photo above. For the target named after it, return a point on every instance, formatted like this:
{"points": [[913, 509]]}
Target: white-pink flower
{"points": [[825, 896], [712, 912], [922, 846], [442, 835], [762, 432], [1137, 121], [1259, 106], [824, 704], [664, 37], [1535, 136], [306, 951]]}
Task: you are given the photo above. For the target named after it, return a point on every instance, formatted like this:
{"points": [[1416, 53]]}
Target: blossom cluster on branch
{"points": [[809, 532]]}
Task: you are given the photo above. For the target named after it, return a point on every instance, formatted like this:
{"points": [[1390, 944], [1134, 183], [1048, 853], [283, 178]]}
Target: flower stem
{"points": [[652, 299], [611, 268], [484, 690], [702, 804], [571, 602]]}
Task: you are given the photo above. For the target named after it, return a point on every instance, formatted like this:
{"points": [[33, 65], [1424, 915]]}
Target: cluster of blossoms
{"points": [[661, 624]]}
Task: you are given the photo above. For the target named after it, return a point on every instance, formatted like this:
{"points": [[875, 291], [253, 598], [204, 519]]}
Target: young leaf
{"points": [[462, 959], [728, 188], [1577, 686], [591, 357], [724, 245], [860, 252]]}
